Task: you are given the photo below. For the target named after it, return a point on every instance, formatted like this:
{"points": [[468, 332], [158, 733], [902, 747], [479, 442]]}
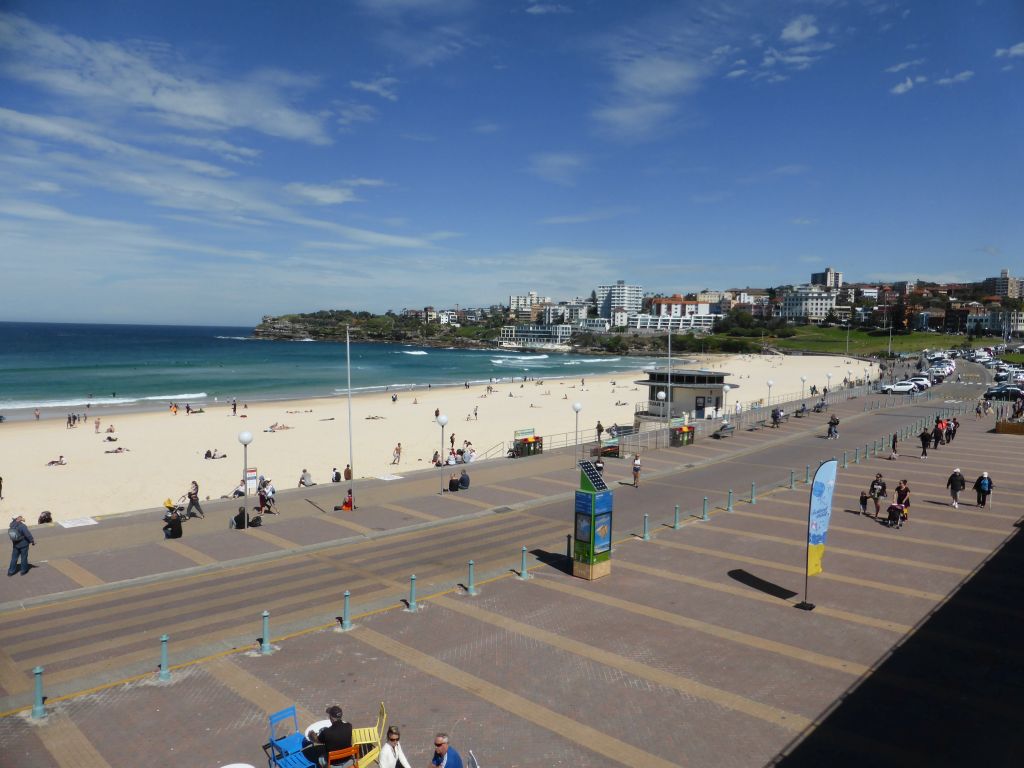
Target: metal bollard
{"points": [[753, 493], [675, 518], [792, 479], [647, 531], [807, 475], [38, 710], [412, 593], [844, 459], [704, 513], [471, 583], [522, 567], [568, 545], [346, 617], [265, 648], [856, 455], [728, 507], [165, 673]]}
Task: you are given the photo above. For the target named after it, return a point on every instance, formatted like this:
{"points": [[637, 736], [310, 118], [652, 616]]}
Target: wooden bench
{"points": [[369, 739], [759, 424], [725, 430]]}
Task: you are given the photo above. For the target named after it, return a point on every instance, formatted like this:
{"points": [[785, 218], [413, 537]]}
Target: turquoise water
{"points": [[64, 367]]}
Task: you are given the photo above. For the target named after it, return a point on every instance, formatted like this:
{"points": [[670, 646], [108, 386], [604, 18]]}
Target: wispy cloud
{"points": [[382, 86], [485, 126], [961, 77], [799, 29], [904, 65], [900, 88], [557, 167], [1014, 51], [146, 79], [544, 9], [322, 194], [350, 114], [584, 218]]}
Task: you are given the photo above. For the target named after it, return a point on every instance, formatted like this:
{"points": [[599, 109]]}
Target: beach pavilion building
{"points": [[694, 393]]}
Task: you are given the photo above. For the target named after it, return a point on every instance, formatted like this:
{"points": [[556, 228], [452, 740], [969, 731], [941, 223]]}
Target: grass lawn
{"points": [[814, 339]]}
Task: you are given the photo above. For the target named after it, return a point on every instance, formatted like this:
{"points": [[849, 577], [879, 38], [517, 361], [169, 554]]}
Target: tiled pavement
{"points": [[690, 653]]}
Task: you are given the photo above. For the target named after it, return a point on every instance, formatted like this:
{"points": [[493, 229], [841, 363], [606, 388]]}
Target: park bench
{"points": [[725, 430], [369, 740], [759, 424]]}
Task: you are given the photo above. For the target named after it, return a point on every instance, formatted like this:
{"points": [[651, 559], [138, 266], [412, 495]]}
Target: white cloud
{"points": [[322, 194], [349, 114], [904, 65], [47, 187], [634, 121], [557, 167], [542, 9], [799, 29], [226, 150], [148, 80], [900, 88], [382, 86], [961, 77], [736, 73], [1013, 51]]}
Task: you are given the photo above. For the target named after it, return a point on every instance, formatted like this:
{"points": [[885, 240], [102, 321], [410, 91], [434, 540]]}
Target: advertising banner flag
{"points": [[819, 513]]}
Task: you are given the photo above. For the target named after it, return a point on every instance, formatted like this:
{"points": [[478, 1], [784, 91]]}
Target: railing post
{"points": [[647, 531], [675, 518], [412, 593], [38, 709], [753, 493], [792, 479], [471, 584], [522, 566], [704, 512], [265, 648], [346, 617], [728, 507], [165, 673]]}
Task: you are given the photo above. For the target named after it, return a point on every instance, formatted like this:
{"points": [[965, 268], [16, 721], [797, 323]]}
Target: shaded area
{"points": [[951, 695], [769, 588], [559, 562]]}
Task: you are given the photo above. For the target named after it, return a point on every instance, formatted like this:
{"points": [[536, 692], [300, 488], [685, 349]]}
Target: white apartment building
{"points": [[810, 301], [870, 292], [610, 297], [695, 322], [677, 306], [594, 324], [527, 301], [535, 335]]}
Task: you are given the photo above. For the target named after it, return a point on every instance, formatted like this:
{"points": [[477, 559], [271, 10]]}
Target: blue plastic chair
{"points": [[286, 752]]}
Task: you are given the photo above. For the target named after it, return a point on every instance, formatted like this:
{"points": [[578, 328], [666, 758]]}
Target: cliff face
{"points": [[327, 326], [287, 328]]}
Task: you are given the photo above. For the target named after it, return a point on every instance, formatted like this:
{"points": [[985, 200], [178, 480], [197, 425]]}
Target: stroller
{"points": [[179, 506], [897, 515]]}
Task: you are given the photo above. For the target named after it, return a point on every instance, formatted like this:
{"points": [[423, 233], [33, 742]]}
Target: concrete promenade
{"points": [[690, 653]]}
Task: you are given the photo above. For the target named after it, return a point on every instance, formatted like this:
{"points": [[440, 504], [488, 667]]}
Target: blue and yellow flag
{"points": [[819, 512]]}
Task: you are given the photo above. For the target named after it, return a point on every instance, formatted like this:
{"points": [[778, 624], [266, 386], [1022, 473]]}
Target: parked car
{"points": [[899, 388], [1004, 392], [922, 382]]}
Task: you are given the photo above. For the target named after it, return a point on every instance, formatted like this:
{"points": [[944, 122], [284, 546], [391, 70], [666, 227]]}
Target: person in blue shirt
{"points": [[444, 755]]}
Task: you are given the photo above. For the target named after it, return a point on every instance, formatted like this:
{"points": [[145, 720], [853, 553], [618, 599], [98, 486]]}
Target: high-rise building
{"points": [[527, 301], [629, 298], [827, 279], [1004, 286]]}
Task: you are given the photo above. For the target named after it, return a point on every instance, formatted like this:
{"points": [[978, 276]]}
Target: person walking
{"points": [[397, 454], [21, 539], [983, 486], [894, 453], [956, 483], [925, 437], [636, 470], [877, 491], [903, 500], [600, 431], [937, 432], [193, 501]]}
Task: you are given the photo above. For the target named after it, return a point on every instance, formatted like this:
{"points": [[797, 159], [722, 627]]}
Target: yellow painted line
{"points": [[333, 518], [271, 538], [189, 553], [509, 489], [76, 573], [879, 585], [686, 685], [461, 497], [592, 739], [841, 551], [868, 534], [410, 511], [555, 481], [12, 677], [723, 633], [67, 745], [752, 594], [254, 690]]}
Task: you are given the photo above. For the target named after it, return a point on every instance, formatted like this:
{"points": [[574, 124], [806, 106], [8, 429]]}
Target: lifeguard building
{"points": [[694, 393]]}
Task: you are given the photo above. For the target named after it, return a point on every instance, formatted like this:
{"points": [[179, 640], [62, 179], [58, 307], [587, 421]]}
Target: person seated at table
{"points": [[464, 481], [453, 482], [338, 735]]}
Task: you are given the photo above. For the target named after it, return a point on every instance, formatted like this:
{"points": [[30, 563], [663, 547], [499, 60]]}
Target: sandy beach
{"points": [[164, 452]]}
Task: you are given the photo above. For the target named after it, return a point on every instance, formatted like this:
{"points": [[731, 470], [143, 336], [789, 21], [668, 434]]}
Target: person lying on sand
{"points": [[109, 439], [56, 462], [119, 449]]}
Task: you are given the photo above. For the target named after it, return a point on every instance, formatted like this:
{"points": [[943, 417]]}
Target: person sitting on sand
{"points": [[436, 460], [208, 454], [59, 462], [218, 455], [306, 479], [110, 429], [239, 490], [119, 449]]}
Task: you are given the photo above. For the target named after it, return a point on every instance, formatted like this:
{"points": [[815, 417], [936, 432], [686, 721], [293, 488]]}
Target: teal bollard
{"points": [[38, 710], [471, 585], [265, 648], [807, 475], [704, 513], [844, 459], [675, 518], [856, 455], [165, 672], [412, 593], [647, 530], [522, 567], [346, 617], [753, 493], [728, 507], [792, 479]]}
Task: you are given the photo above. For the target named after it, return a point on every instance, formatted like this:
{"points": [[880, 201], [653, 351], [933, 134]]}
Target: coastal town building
{"points": [[807, 301], [1004, 286], [695, 322], [692, 393], [531, 299], [827, 279], [611, 297], [536, 336]]}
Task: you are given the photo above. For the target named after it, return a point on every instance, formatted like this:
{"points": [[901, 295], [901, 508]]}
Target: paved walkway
{"points": [[689, 654]]}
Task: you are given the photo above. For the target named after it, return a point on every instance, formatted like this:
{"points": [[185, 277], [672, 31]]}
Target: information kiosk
{"points": [[592, 550]]}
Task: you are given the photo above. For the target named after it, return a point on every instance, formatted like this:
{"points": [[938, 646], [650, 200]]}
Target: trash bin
{"points": [[529, 446], [682, 436]]}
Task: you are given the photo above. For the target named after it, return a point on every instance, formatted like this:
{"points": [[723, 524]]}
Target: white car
{"points": [[921, 382], [899, 388]]}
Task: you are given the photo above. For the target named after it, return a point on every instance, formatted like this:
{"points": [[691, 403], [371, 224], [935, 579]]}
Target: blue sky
{"points": [[204, 162]]}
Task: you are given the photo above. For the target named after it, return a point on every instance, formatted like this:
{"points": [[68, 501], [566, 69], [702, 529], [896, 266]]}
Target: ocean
{"points": [[61, 367]]}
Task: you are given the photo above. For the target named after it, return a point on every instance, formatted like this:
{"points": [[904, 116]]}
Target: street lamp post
{"points": [[803, 383], [577, 407], [849, 377], [442, 420], [351, 458], [770, 385], [661, 401], [245, 438], [828, 378], [725, 402]]}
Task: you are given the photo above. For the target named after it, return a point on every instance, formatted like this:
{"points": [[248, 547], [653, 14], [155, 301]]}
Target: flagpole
{"points": [[803, 605], [351, 458]]}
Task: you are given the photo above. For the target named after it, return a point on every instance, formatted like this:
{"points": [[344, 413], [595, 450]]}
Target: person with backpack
{"points": [[21, 539], [956, 483], [983, 485]]}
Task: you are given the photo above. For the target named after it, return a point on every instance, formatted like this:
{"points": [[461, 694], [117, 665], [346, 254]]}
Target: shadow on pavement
{"points": [[557, 561], [750, 580], [951, 695]]}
